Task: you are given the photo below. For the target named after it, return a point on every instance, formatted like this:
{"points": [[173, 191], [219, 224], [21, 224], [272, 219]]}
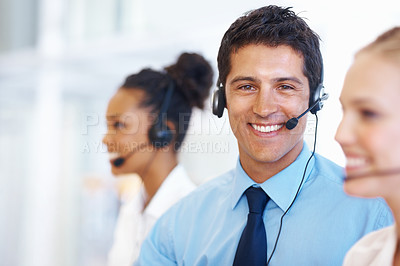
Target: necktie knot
{"points": [[257, 199]]}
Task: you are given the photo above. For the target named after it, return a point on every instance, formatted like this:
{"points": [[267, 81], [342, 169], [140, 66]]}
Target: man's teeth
{"points": [[355, 161], [113, 155], [266, 129]]}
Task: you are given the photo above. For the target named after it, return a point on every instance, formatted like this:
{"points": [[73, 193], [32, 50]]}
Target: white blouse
{"points": [[134, 223], [375, 249]]}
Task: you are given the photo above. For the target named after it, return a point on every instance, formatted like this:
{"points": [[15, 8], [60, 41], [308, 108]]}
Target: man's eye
{"points": [[247, 88], [286, 87]]}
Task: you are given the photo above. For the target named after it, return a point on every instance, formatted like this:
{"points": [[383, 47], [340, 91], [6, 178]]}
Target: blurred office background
{"points": [[61, 61]]}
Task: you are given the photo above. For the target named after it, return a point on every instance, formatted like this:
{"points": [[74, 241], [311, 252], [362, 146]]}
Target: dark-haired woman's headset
{"points": [[160, 134]]}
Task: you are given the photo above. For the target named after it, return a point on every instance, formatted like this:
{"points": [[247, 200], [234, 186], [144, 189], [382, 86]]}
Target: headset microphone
{"points": [[386, 172], [118, 162], [121, 160], [292, 123]]}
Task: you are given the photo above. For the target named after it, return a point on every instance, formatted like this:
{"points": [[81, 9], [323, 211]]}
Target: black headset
{"points": [[219, 100], [317, 98], [319, 94], [160, 134]]}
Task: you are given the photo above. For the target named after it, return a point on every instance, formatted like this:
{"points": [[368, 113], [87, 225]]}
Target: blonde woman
{"points": [[369, 134]]}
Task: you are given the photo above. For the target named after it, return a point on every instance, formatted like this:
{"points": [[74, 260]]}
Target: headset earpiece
{"points": [[318, 94], [219, 101], [160, 134]]}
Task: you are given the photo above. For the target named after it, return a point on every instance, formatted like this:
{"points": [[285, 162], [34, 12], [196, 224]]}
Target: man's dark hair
{"points": [[272, 26]]}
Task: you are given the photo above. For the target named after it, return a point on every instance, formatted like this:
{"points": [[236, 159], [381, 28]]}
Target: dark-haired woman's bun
{"points": [[193, 76]]}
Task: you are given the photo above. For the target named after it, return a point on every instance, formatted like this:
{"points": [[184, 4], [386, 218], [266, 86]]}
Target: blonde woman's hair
{"points": [[386, 45]]}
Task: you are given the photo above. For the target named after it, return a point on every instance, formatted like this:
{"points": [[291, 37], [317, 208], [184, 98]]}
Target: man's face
{"points": [[264, 89]]}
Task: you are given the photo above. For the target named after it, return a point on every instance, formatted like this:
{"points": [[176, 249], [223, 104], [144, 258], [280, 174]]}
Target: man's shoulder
{"points": [[327, 163], [215, 182], [212, 190], [329, 183], [214, 187], [328, 169]]}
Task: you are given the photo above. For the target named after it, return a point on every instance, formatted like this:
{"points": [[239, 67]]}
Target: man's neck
{"points": [[261, 171]]}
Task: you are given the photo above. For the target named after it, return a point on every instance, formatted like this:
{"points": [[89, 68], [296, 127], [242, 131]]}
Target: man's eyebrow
{"points": [[282, 79], [256, 80], [245, 78]]}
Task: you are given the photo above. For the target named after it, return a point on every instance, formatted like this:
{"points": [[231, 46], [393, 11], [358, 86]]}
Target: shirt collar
{"points": [[282, 187]]}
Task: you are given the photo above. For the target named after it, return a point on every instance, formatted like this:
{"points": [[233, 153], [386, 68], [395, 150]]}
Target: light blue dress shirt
{"points": [[205, 227]]}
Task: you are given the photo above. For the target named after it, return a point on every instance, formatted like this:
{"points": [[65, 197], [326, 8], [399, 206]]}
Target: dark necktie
{"points": [[252, 248]]}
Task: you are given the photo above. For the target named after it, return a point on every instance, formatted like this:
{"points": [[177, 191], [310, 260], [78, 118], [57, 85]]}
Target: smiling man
{"points": [[282, 204], [265, 88]]}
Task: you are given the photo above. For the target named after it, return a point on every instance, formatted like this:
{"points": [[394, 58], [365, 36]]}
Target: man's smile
{"points": [[266, 128]]}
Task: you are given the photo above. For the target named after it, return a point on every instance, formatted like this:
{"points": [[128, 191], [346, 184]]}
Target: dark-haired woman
{"points": [[147, 120]]}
